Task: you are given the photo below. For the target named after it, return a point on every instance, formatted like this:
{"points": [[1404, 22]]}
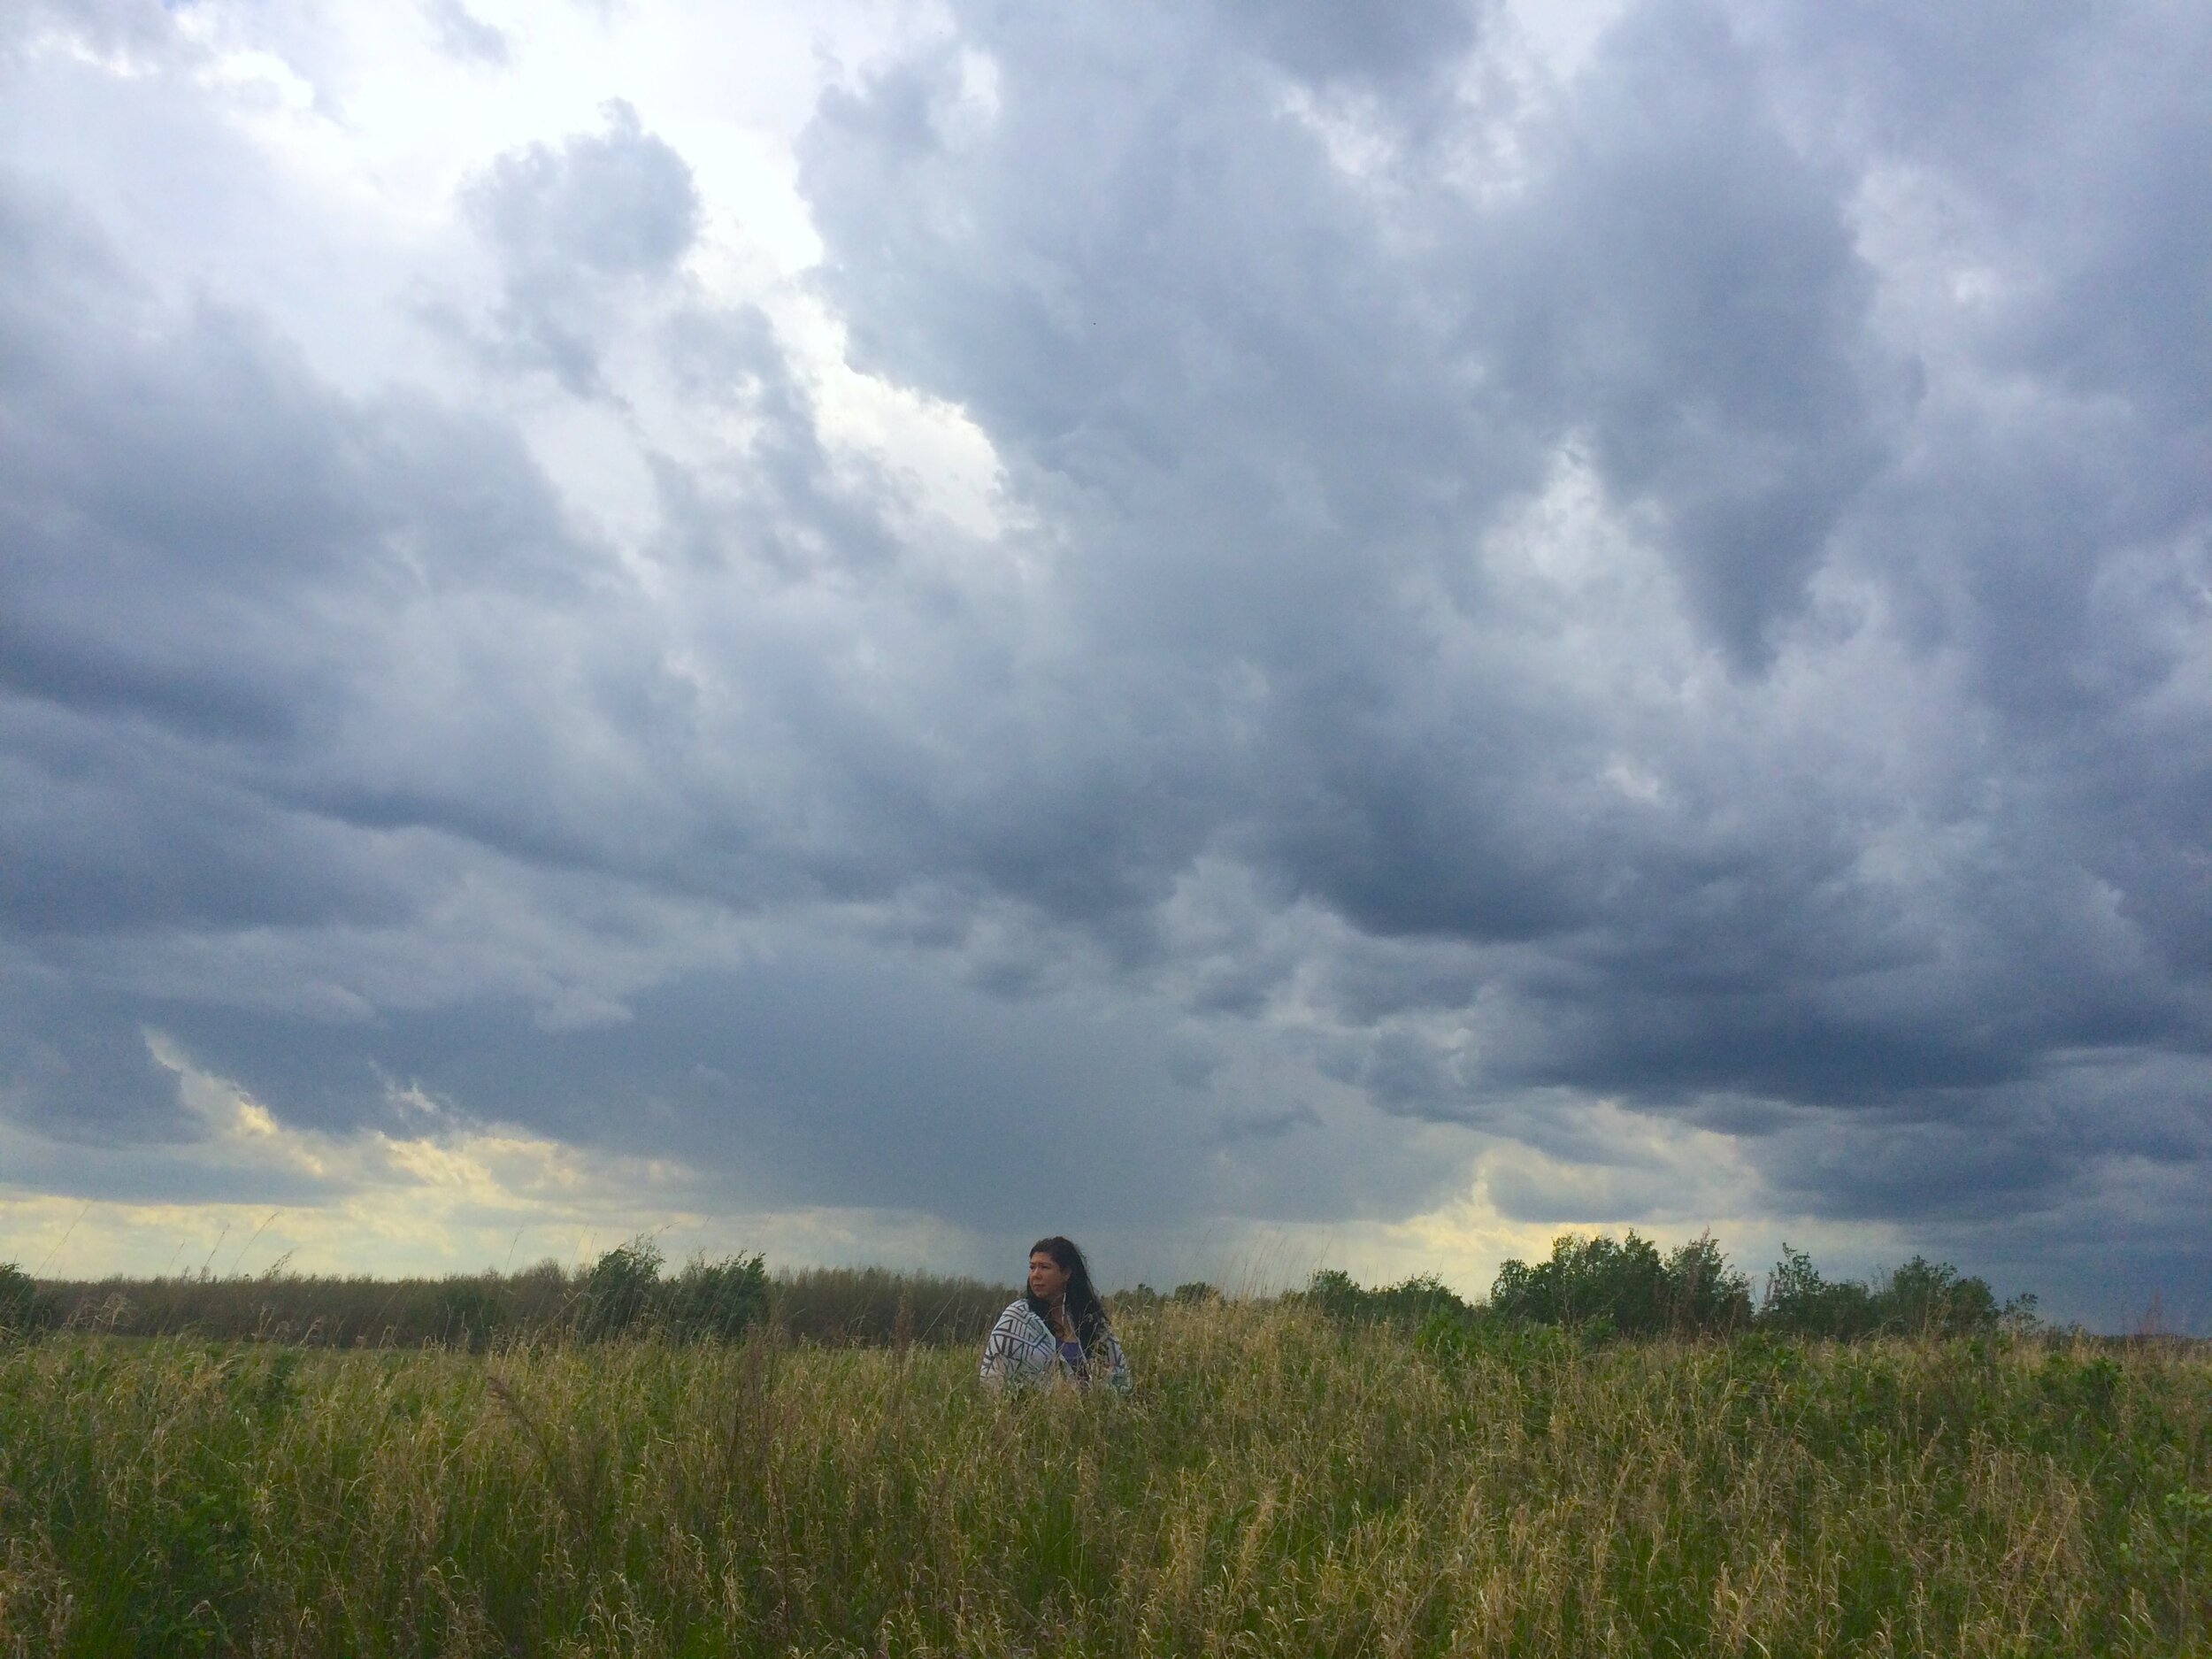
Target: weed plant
{"points": [[1281, 1482]]}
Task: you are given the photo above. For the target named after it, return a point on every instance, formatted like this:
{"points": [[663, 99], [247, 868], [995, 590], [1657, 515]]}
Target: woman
{"points": [[1057, 1332]]}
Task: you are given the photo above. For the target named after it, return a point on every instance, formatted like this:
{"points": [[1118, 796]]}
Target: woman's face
{"points": [[1047, 1279]]}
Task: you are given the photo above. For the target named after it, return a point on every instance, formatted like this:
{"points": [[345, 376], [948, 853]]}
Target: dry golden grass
{"points": [[1277, 1484]]}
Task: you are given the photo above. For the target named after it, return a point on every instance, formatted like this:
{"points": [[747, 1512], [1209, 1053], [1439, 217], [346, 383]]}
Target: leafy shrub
{"points": [[1585, 1280], [1410, 1302], [1921, 1298], [624, 1294], [1924, 1298], [714, 1301], [1703, 1294], [1802, 1303], [617, 1295], [1625, 1286]]}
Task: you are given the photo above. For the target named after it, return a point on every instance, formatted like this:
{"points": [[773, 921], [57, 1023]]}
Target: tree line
{"points": [[631, 1291], [1604, 1287], [1597, 1285]]}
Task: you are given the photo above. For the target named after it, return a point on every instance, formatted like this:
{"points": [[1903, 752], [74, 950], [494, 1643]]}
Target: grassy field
{"points": [[1279, 1484]]}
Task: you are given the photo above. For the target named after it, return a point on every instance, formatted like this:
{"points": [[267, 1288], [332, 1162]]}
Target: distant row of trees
{"points": [[623, 1293], [1598, 1285], [1628, 1286], [630, 1291]]}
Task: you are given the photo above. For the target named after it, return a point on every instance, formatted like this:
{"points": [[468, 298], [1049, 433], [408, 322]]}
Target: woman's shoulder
{"points": [[1017, 1311]]}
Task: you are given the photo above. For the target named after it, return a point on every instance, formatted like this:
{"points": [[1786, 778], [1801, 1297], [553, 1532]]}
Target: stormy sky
{"points": [[1265, 633]]}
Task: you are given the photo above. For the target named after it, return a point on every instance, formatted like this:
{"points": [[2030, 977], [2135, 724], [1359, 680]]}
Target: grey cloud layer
{"points": [[578, 227], [1689, 585]]}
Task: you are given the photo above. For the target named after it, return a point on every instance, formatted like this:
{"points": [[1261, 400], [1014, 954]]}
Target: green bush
{"points": [[1921, 1298], [24, 1309], [1924, 1298], [1703, 1294], [1411, 1303], [618, 1296], [624, 1294], [1625, 1286], [712, 1300], [1798, 1302]]}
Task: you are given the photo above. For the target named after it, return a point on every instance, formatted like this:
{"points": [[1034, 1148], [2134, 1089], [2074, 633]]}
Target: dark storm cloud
{"points": [[1102, 326], [1684, 287], [819, 1078], [1687, 586], [835, 1075], [112, 831], [76, 1068], [1677, 280], [215, 568], [167, 507]]}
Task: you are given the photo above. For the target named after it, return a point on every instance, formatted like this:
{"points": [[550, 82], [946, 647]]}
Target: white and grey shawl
{"points": [[1022, 1354]]}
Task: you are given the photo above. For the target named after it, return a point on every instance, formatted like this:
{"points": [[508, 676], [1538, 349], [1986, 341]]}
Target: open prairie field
{"points": [[1278, 1484]]}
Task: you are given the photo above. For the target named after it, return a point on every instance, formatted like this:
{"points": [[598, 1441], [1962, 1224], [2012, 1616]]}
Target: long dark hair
{"points": [[1086, 1311]]}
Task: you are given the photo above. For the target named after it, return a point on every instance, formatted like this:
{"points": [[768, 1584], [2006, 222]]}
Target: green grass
{"points": [[1279, 1484]]}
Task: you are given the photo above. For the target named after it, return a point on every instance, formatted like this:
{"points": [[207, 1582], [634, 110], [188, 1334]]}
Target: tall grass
{"points": [[876, 1306], [1281, 1483], [866, 1305]]}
